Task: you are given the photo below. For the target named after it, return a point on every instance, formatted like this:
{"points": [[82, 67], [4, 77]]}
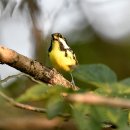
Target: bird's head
{"points": [[60, 38], [57, 36]]}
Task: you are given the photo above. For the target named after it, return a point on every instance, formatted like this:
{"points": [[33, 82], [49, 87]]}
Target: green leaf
{"points": [[109, 115], [41, 91], [114, 90], [95, 73], [56, 104], [84, 120], [55, 107], [97, 117], [125, 81], [79, 117], [37, 92]]}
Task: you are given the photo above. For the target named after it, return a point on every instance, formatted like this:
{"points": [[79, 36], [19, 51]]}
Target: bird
{"points": [[61, 55]]}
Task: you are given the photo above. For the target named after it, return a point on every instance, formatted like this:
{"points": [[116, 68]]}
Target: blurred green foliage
{"points": [[114, 54], [104, 82]]}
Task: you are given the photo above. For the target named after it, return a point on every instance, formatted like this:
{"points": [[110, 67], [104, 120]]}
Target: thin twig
{"points": [[20, 105], [29, 107], [87, 98], [93, 99], [10, 77], [19, 75]]}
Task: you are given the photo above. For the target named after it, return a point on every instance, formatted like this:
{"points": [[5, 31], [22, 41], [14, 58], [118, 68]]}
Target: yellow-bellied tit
{"points": [[61, 55]]}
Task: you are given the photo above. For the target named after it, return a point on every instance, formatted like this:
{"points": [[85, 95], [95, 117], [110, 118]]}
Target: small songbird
{"points": [[61, 55]]}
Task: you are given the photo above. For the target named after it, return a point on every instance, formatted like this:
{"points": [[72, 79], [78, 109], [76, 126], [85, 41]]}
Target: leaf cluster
{"points": [[100, 80]]}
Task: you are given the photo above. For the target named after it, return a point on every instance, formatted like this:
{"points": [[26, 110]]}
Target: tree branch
{"points": [[20, 105], [93, 99], [28, 107], [30, 123], [42, 73], [87, 98], [33, 68]]}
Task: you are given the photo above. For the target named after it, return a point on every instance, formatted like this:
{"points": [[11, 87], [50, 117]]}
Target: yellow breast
{"points": [[60, 59]]}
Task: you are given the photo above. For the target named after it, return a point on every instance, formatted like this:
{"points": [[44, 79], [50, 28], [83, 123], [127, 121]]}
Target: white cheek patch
{"points": [[64, 43]]}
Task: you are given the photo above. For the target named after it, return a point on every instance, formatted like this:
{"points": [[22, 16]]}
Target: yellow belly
{"points": [[60, 61]]}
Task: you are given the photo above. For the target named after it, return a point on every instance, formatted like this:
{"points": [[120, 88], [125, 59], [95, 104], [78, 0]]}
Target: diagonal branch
{"points": [[33, 68], [20, 105], [28, 107]]}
